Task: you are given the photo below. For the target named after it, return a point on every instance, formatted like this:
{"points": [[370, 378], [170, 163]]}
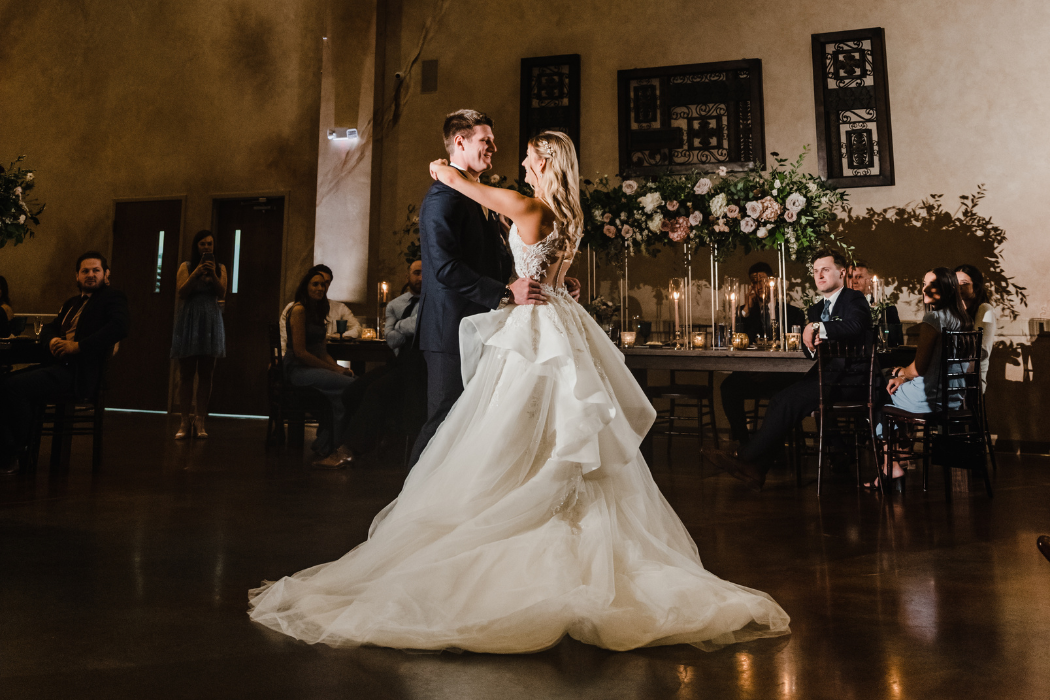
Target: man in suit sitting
{"points": [[842, 316], [860, 279], [78, 342]]}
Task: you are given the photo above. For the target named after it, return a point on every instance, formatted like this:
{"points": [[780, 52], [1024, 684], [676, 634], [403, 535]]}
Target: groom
{"points": [[466, 264]]}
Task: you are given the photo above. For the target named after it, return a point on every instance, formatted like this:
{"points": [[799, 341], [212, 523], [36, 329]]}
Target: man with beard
{"points": [[77, 343]]}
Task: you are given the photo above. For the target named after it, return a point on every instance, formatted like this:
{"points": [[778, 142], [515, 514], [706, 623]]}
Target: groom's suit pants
{"points": [[444, 386]]}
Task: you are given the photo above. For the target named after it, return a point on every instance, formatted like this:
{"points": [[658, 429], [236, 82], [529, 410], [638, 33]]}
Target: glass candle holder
{"points": [[741, 341], [699, 340], [627, 338], [368, 333], [793, 341]]}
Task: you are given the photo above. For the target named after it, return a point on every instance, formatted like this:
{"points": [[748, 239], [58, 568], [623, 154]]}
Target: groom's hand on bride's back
{"points": [[573, 285], [527, 291]]}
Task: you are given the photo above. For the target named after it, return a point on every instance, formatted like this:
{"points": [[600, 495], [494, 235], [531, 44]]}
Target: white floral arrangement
{"points": [[18, 212], [750, 210]]}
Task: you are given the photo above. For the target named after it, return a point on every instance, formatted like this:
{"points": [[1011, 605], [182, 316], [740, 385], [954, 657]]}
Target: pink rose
{"points": [[753, 209], [703, 186], [748, 224], [733, 211], [695, 218], [606, 218], [762, 232], [626, 231], [609, 231], [679, 229], [665, 225], [672, 205], [721, 227], [790, 216], [770, 209], [630, 187]]}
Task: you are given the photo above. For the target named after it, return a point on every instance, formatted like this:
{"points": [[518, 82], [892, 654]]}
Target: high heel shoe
{"points": [[184, 430], [198, 428]]}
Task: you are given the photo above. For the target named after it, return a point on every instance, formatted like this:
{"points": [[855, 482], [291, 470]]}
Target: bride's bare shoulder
{"points": [[538, 224]]}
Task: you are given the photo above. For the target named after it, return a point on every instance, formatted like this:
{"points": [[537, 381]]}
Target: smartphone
{"points": [[208, 258]]}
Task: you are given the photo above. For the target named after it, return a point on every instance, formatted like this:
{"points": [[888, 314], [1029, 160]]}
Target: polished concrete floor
{"points": [[133, 584]]}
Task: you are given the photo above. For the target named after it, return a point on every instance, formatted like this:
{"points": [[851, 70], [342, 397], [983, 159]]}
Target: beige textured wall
{"points": [[965, 86], [117, 100]]}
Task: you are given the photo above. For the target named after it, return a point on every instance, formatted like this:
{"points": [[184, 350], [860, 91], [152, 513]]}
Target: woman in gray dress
{"points": [[199, 337]]}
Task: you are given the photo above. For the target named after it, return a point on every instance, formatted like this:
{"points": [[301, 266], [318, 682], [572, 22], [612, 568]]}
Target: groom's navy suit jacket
{"points": [[466, 265]]}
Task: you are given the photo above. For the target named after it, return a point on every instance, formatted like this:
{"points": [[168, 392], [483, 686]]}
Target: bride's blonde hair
{"points": [[559, 183]]}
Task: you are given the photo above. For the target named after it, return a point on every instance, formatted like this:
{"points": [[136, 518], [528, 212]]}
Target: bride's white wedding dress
{"points": [[530, 515]]}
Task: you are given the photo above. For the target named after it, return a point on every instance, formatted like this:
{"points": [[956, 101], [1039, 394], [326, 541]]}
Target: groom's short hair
{"points": [[463, 122]]}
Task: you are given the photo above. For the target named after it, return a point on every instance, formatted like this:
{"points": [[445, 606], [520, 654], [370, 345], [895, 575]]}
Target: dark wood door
{"points": [[248, 240], [143, 265]]}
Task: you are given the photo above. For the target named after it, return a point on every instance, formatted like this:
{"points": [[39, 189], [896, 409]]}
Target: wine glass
{"points": [[38, 325]]}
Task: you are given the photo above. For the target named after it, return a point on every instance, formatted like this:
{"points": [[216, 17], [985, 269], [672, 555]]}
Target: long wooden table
{"points": [[643, 359]]}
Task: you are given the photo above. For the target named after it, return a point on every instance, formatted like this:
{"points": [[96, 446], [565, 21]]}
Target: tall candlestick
{"points": [[732, 309]]}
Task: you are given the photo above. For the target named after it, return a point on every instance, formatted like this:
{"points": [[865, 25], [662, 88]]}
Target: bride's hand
{"points": [[436, 167]]}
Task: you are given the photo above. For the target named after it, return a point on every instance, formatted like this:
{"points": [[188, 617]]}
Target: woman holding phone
{"points": [[199, 337]]}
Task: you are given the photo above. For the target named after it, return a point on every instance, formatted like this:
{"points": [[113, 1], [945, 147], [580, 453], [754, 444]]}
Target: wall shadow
{"points": [[902, 242]]}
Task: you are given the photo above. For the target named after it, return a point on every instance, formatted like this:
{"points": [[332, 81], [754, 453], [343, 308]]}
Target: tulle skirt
{"points": [[530, 515]]}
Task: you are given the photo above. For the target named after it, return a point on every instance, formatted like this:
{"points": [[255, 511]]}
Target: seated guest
{"points": [[395, 392], [78, 341], [842, 316], [916, 388], [7, 314], [980, 310], [337, 311], [309, 364], [861, 280], [749, 314], [401, 312]]}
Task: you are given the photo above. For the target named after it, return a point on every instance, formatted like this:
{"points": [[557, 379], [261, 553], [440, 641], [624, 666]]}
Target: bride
{"points": [[531, 514]]}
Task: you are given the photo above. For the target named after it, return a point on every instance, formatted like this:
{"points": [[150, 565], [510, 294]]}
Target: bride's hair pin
{"points": [[547, 147]]}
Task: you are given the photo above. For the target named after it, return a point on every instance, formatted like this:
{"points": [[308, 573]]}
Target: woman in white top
{"points": [[980, 309]]}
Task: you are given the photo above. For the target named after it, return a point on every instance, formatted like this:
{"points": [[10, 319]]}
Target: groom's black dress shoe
{"points": [[731, 464]]}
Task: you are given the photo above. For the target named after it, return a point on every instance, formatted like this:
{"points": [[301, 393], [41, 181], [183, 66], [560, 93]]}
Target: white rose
{"points": [[695, 218], [753, 209], [776, 183], [722, 171], [719, 205], [762, 232], [654, 223], [775, 190], [795, 202], [812, 187], [747, 225], [630, 187], [597, 214], [651, 201], [703, 186], [18, 191], [29, 177], [494, 179], [22, 219]]}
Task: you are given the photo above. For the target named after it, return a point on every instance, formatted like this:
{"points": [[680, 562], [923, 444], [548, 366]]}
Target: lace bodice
{"points": [[545, 261]]}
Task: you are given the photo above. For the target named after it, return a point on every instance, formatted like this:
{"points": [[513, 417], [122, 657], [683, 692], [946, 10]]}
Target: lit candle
{"points": [[732, 307], [676, 295]]}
